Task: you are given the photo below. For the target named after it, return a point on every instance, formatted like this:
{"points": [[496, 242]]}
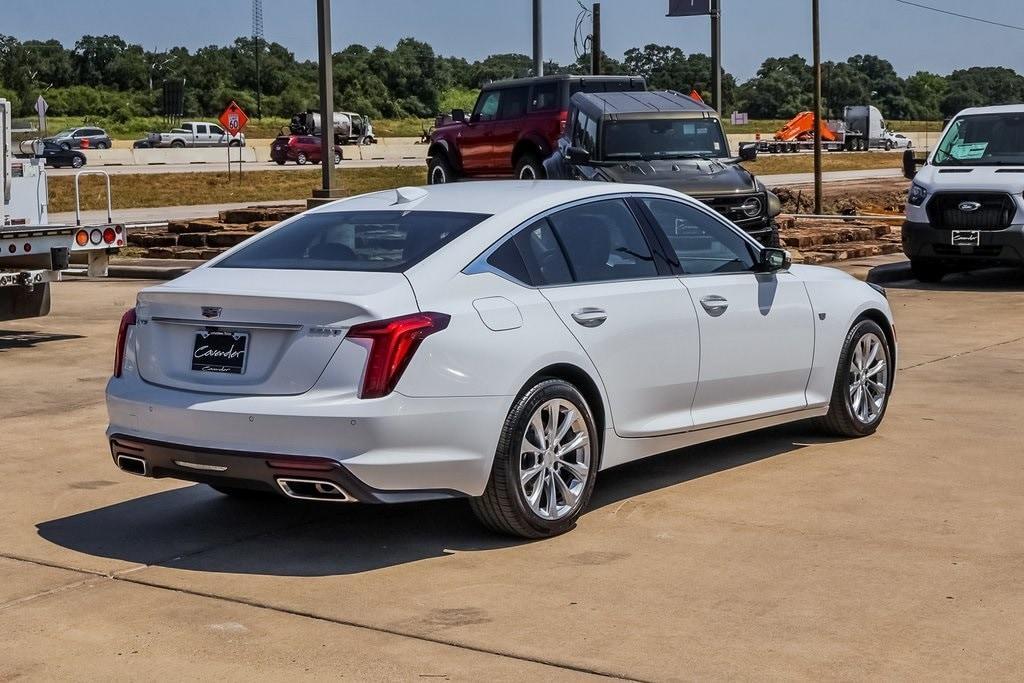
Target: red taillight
{"points": [[127, 320], [392, 344], [109, 235], [562, 118]]}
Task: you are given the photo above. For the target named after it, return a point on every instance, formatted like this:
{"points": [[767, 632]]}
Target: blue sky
{"points": [[912, 39]]}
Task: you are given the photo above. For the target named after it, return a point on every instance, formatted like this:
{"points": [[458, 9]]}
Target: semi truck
{"points": [[33, 252], [861, 128]]}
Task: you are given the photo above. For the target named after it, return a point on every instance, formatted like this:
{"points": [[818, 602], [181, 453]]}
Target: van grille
{"points": [[995, 213]]}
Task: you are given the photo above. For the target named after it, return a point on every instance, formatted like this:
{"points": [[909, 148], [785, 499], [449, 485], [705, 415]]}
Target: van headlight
{"points": [[917, 195]]}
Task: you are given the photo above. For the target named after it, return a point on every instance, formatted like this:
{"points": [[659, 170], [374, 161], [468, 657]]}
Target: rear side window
{"points": [[513, 102], [372, 241], [542, 255], [545, 97], [603, 241]]}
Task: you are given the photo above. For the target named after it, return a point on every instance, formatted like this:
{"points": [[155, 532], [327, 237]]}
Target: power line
{"points": [[962, 16]]}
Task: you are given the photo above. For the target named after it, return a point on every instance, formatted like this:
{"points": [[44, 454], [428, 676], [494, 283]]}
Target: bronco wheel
{"points": [[863, 382], [545, 464], [529, 168], [439, 170], [925, 271]]}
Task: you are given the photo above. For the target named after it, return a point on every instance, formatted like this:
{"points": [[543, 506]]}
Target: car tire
{"points": [[529, 167], [280, 162], [858, 405], [888, 146], [77, 162], [337, 158], [301, 159], [102, 145], [178, 144], [440, 171], [241, 493], [926, 271], [528, 506]]}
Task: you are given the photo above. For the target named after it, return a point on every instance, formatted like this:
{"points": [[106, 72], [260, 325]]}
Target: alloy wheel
{"points": [[554, 459], [868, 378]]}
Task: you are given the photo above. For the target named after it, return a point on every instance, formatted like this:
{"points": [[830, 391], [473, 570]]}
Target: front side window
{"points": [[663, 139], [602, 241], [982, 140], [584, 133], [702, 243], [487, 106], [373, 241]]}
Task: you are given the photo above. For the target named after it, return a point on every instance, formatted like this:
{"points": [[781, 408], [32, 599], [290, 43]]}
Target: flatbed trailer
{"points": [[34, 253]]}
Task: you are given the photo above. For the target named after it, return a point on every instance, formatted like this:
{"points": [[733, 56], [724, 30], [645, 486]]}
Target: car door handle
{"points": [[715, 305], [590, 316]]}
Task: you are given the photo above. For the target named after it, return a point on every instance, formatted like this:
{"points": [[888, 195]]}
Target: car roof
{"points": [[999, 109], [492, 197], [558, 78], [646, 102]]}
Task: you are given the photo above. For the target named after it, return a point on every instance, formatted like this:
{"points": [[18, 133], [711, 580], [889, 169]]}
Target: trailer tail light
{"points": [[82, 238], [127, 320], [109, 235], [392, 345]]}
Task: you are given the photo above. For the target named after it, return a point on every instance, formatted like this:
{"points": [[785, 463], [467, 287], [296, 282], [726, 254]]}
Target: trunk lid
{"points": [[292, 322]]}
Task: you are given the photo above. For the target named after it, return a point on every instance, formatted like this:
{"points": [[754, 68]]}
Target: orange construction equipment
{"points": [[801, 127]]}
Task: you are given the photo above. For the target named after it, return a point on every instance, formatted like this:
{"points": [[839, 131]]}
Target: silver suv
{"points": [[71, 138]]}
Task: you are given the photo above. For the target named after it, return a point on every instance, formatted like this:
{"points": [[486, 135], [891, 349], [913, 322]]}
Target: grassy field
{"points": [[767, 164], [182, 189]]}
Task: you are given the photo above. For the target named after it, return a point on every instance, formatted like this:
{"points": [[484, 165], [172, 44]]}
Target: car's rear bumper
{"points": [[387, 450], [922, 242]]}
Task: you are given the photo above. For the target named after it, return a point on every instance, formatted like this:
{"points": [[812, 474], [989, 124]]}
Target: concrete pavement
{"points": [[779, 554]]}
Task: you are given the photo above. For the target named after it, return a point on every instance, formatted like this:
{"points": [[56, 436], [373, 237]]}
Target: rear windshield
{"points": [[378, 241]]}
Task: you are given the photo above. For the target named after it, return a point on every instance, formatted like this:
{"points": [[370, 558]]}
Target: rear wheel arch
{"points": [[530, 146], [587, 386]]}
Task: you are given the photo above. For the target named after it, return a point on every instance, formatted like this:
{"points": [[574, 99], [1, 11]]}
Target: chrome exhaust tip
{"points": [[314, 489], [132, 465]]}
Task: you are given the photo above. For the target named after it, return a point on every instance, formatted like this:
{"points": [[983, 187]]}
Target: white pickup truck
{"points": [[193, 134]]}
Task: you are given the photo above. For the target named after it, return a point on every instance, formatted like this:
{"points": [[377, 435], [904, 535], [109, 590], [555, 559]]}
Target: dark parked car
{"points": [[667, 139], [302, 149], [71, 138], [513, 127], [56, 156]]}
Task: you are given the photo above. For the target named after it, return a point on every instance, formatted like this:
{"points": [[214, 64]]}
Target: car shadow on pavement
{"points": [[983, 280], [196, 529], [21, 339]]}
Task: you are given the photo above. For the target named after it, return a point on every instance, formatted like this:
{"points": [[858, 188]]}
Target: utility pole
{"points": [[323, 21], [257, 40], [816, 37], [538, 42], [716, 54], [595, 41]]}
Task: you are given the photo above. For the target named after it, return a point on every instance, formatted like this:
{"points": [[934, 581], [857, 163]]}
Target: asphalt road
{"points": [[780, 554]]}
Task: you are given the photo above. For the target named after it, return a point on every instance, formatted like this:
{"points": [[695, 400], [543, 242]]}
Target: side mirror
{"points": [[910, 164], [748, 151], [459, 115], [773, 260], [577, 155]]}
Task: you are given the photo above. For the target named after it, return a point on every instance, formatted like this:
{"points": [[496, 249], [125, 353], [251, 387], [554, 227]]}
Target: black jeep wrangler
{"points": [[664, 138]]}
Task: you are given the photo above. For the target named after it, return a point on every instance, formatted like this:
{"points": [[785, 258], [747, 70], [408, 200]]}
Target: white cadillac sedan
{"points": [[501, 341]]}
